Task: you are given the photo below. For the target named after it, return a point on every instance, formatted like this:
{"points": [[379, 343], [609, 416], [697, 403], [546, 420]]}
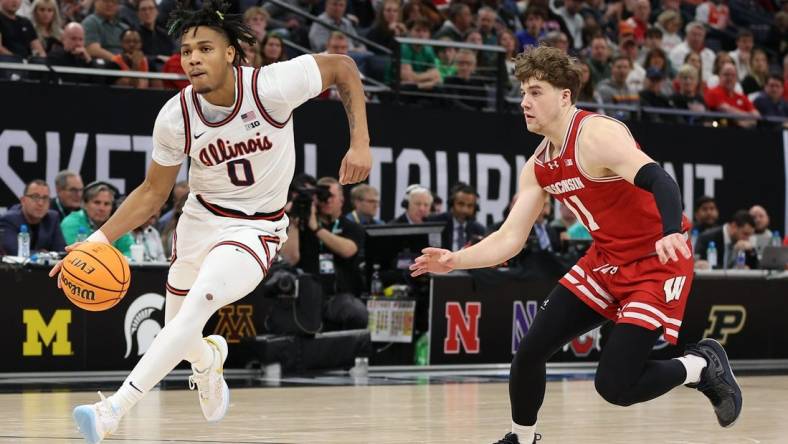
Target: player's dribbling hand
{"points": [[355, 165], [433, 260], [55, 271], [669, 245]]}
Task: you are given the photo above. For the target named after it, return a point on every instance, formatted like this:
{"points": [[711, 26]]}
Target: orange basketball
{"points": [[95, 276]]}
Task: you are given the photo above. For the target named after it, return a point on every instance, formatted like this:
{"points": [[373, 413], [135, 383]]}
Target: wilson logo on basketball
{"points": [[82, 265], [221, 151], [76, 290]]}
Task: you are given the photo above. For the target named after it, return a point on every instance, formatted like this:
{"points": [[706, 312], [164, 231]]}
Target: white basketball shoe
{"points": [[96, 421], [213, 390]]}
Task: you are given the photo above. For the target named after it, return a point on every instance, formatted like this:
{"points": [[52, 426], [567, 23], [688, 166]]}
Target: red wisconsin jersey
{"points": [[623, 219]]}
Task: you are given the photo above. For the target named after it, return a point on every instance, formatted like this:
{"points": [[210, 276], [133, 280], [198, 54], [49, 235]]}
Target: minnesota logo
{"points": [[235, 322]]}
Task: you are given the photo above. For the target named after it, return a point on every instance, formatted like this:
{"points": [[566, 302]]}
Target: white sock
{"points": [[525, 434], [127, 395], [694, 366]]}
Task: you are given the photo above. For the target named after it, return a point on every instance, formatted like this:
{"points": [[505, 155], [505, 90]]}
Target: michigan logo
{"points": [[41, 333], [725, 320], [235, 322], [139, 323]]}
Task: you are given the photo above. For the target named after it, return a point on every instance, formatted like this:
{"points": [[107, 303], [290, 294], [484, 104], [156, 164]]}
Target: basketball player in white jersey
{"points": [[235, 125]]}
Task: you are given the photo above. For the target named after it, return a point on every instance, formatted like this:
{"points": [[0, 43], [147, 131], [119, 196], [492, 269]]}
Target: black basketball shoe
{"points": [[511, 438], [717, 381]]}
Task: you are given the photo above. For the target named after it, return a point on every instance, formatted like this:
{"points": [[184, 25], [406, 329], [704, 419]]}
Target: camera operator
{"points": [[327, 245]]}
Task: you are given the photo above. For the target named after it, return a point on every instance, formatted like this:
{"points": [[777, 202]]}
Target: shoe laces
{"points": [[105, 407], [199, 380]]}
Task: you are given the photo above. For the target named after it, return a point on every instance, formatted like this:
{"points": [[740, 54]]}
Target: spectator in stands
{"points": [[759, 72], [290, 24], [508, 40], [587, 93], [328, 246], [556, 39], [179, 192], [337, 44], [763, 235], [654, 95], [534, 27], [693, 59], [466, 84], [131, 59], [706, 214], [446, 60], [694, 41], [388, 25], [714, 80], [543, 236], [334, 14], [17, 34], [148, 236], [638, 22], [42, 223], [366, 202], [127, 13], [637, 75], [74, 10], [599, 62], [96, 209], [485, 24], [461, 228], [103, 30], [422, 10], [669, 22], [743, 52], [615, 90], [770, 102], [729, 239], [569, 14], [688, 96], [168, 230], [417, 204], [657, 59], [272, 49], [724, 98], [73, 53], [458, 23], [437, 204], [68, 184], [156, 43], [777, 39], [418, 61], [714, 13], [46, 20], [652, 42], [256, 18]]}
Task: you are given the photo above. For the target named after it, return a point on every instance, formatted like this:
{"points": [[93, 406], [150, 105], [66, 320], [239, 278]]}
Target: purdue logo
{"points": [[54, 333], [725, 320], [235, 322]]}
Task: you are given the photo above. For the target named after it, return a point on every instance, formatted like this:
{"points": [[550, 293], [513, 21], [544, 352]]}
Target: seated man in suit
{"points": [[729, 239], [460, 229], [42, 223], [417, 204]]}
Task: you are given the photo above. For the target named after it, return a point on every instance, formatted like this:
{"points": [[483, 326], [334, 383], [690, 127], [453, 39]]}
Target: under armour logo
{"points": [[553, 164]]}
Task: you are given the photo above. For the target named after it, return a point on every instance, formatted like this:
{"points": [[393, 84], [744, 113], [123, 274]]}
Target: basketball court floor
{"points": [[380, 409]]}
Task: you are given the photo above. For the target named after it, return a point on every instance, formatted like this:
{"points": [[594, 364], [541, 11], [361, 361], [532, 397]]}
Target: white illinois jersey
{"points": [[242, 156]]}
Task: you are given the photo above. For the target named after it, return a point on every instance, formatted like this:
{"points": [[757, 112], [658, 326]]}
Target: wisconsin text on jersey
{"points": [[221, 151], [564, 186]]}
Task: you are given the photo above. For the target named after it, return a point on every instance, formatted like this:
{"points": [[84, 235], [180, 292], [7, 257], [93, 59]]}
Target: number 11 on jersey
{"points": [[586, 219]]}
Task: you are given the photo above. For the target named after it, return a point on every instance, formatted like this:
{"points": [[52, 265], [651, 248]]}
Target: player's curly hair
{"points": [[213, 15], [551, 65]]}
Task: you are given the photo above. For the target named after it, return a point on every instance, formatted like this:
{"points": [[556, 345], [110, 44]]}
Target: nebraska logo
{"points": [[462, 327], [522, 318], [725, 320], [235, 322]]}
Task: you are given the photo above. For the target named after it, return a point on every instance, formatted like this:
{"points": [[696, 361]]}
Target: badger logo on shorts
{"points": [[673, 287], [139, 323]]}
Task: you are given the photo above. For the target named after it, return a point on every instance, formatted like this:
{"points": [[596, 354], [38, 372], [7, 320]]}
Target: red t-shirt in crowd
{"points": [[717, 96]]}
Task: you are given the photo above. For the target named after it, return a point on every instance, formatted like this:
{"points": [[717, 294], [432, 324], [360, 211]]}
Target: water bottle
{"points": [[711, 255], [376, 286], [694, 237], [776, 239], [422, 350], [82, 234], [23, 242], [741, 259]]}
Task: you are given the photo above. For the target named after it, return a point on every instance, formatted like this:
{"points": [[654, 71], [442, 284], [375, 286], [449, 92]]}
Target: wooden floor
{"points": [[450, 413]]}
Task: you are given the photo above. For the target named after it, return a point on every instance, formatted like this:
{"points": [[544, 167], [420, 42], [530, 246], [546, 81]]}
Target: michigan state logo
{"points": [[725, 320]]}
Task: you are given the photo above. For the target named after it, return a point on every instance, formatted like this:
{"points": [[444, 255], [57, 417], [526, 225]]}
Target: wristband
{"points": [[98, 236]]}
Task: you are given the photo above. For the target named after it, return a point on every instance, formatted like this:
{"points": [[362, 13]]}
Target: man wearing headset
{"points": [[417, 203], [461, 228], [97, 206]]}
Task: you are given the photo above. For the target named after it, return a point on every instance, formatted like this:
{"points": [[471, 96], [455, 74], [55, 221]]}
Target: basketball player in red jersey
{"points": [[637, 273]]}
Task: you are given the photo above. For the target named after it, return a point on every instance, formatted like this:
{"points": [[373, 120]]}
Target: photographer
{"points": [[327, 245]]}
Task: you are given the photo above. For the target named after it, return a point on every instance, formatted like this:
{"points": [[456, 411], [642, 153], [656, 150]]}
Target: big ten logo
{"points": [[522, 319], [235, 322], [41, 333], [462, 327], [725, 320], [584, 344]]}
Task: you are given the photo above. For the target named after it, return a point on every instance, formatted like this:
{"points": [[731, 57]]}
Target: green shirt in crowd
{"points": [[420, 60], [79, 219]]}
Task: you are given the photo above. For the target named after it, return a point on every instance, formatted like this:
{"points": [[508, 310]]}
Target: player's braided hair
{"points": [[213, 15]]}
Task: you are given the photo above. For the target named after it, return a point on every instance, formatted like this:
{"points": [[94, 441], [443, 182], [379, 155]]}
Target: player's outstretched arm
{"points": [[341, 71], [607, 147], [499, 246]]}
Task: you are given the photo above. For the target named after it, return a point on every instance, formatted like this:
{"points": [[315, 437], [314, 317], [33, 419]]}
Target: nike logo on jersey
{"points": [[565, 185], [197, 136]]}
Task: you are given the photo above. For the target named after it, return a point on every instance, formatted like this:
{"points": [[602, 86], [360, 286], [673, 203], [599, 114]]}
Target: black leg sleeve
{"points": [[561, 320]]}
